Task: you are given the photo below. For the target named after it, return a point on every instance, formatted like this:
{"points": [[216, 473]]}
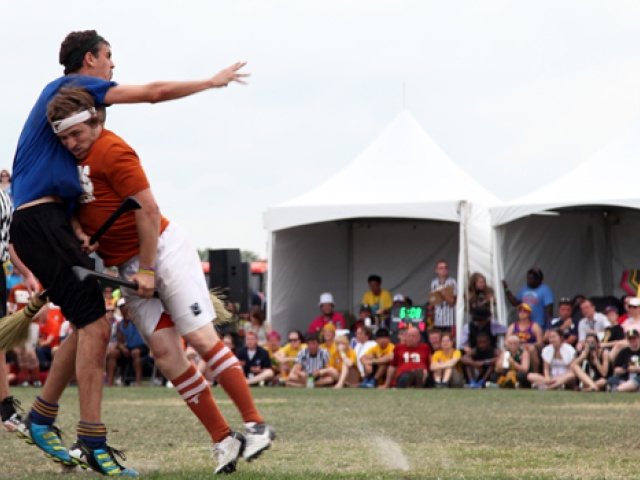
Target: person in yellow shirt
{"points": [[379, 299], [345, 362], [446, 366], [287, 355], [329, 335], [377, 359], [272, 347]]}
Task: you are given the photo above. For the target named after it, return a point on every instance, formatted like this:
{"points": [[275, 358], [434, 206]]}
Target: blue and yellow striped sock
{"points": [[93, 434], [43, 413]]}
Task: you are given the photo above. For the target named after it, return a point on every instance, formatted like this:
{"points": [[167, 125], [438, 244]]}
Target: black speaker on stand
{"points": [[226, 271]]}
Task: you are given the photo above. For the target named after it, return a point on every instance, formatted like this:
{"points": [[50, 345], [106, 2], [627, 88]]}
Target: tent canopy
{"points": [[395, 210], [580, 229]]}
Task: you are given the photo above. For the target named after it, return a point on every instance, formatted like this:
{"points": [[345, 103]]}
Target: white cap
{"points": [[120, 302], [635, 301], [398, 297], [326, 298]]}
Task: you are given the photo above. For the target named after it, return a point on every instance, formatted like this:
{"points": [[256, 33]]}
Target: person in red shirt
{"points": [[410, 364], [49, 334], [329, 315]]}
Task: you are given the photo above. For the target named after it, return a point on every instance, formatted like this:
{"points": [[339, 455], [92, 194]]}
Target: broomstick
{"points": [[14, 329]]}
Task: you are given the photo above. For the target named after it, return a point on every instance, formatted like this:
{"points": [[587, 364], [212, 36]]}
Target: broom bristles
{"points": [[14, 329], [217, 300]]}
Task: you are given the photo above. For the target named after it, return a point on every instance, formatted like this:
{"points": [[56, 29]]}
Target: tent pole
{"points": [[350, 287]]}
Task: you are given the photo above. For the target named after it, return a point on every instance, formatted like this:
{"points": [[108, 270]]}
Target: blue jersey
{"points": [[537, 299], [42, 165]]}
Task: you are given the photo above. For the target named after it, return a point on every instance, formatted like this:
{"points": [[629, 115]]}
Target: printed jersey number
{"points": [[411, 357]]}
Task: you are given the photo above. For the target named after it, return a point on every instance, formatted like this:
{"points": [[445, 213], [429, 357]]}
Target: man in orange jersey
{"points": [[155, 253]]}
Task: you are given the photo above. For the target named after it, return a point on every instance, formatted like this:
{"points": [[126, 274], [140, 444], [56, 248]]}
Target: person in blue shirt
{"points": [[535, 294], [45, 187]]}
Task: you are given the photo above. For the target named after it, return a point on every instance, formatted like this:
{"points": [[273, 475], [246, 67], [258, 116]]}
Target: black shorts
{"points": [[44, 240]]}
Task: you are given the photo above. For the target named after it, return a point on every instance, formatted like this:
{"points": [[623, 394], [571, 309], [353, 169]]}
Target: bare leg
{"points": [[62, 370], [137, 365], [4, 380], [91, 351]]}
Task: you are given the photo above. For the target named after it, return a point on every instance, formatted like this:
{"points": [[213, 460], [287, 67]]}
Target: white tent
{"points": [[400, 206], [582, 229]]}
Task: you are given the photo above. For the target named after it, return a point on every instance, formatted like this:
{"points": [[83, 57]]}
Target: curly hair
{"points": [[69, 101], [71, 45]]}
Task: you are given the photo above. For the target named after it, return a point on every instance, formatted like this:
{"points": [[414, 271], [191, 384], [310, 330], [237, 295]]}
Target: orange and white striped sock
{"points": [[195, 391], [227, 370]]}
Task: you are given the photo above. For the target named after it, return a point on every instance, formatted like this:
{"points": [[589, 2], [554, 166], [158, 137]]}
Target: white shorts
{"points": [[34, 333], [180, 282]]}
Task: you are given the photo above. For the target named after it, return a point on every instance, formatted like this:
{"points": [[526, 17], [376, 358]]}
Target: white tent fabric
{"points": [[396, 209], [580, 229]]}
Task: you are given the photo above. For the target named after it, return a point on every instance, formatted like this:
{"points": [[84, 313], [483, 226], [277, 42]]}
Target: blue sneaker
{"points": [[47, 439], [480, 383], [102, 460], [365, 383], [372, 383]]}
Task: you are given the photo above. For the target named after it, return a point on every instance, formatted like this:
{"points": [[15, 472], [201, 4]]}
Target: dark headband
{"points": [[80, 52]]}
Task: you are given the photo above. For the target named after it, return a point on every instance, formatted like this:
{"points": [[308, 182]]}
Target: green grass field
{"points": [[367, 434]]}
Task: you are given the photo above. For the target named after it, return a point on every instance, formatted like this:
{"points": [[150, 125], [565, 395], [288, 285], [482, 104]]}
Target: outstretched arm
{"points": [[163, 91]]}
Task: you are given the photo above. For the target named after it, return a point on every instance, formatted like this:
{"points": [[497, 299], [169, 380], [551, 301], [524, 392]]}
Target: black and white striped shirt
{"points": [[445, 314], [6, 210], [311, 363]]}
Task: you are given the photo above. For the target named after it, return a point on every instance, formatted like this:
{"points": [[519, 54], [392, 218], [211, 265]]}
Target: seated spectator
{"points": [[556, 365], [365, 319], [258, 325], [591, 366], [379, 300], [310, 362], [410, 364], [434, 338], [480, 296], [273, 345], [625, 312], [328, 315], [479, 362], [626, 368], [345, 364], [49, 334], [592, 321], [576, 312], [376, 360], [328, 338], [288, 354], [614, 338], [27, 358], [529, 333], [446, 366], [513, 365], [363, 344], [255, 361], [481, 322], [564, 322], [129, 346]]}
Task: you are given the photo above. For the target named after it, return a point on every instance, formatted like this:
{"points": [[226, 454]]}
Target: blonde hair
{"points": [[342, 339]]}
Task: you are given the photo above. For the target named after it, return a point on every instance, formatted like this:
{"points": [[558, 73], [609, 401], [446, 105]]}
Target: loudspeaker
{"points": [[226, 271]]}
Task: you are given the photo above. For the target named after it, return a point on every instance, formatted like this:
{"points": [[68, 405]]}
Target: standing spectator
{"points": [[513, 365], [328, 315], [626, 369], [362, 346], [564, 322], [535, 294], [255, 361], [481, 322], [529, 333], [258, 325], [309, 363], [377, 359], [345, 363], [592, 321], [288, 354], [556, 367], [446, 366], [445, 311], [479, 362], [591, 366], [633, 318], [480, 296], [5, 183], [378, 299], [410, 364]]}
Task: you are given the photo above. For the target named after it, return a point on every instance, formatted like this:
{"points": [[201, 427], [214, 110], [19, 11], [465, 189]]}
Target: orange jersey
{"points": [[110, 173]]}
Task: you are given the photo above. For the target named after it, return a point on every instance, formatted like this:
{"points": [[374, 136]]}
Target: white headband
{"points": [[61, 125]]}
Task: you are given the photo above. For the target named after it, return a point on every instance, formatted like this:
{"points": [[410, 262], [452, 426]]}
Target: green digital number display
{"points": [[410, 313]]}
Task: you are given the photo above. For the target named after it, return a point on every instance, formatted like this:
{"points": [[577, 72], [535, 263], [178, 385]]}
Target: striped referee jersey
{"points": [[311, 363]]}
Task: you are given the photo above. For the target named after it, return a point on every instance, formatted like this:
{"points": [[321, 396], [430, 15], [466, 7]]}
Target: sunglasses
{"points": [[294, 339]]}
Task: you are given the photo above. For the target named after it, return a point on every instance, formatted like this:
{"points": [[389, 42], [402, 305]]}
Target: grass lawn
{"points": [[364, 434]]}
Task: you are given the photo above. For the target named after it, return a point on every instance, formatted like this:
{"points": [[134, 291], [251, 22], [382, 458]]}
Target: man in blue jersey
{"points": [[45, 187]]}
